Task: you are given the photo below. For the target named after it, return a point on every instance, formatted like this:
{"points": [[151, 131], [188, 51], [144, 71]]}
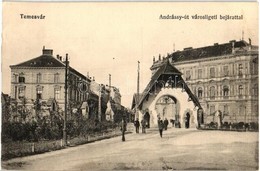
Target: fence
{"points": [[19, 149]]}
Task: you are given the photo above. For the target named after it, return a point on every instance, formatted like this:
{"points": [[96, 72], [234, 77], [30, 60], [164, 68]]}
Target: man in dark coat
{"points": [[123, 129], [187, 120], [160, 126], [137, 125], [143, 125], [166, 122]]}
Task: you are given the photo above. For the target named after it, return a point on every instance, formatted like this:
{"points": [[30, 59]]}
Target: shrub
{"points": [[213, 125]]}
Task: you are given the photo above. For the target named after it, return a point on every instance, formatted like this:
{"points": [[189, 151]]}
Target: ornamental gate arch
{"points": [[181, 106], [167, 82]]}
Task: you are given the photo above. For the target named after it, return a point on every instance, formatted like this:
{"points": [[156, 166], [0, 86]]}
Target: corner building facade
{"points": [[43, 78], [224, 77]]}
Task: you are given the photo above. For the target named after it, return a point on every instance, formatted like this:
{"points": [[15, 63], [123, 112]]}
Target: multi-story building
{"points": [[224, 77], [43, 78]]}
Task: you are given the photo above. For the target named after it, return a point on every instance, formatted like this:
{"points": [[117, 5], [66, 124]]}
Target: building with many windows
{"points": [[43, 78], [224, 77]]}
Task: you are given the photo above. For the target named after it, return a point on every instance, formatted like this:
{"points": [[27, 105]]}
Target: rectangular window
{"points": [[240, 70], [188, 75], [21, 91], [56, 78], [256, 109], [212, 72], [199, 73], [21, 79], [225, 109], [39, 78], [57, 93], [212, 109], [39, 93], [225, 71], [15, 78], [241, 110]]}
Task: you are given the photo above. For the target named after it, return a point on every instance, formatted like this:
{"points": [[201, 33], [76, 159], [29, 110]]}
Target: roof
{"points": [[41, 61], [208, 51], [166, 68], [46, 61], [189, 54], [136, 97]]}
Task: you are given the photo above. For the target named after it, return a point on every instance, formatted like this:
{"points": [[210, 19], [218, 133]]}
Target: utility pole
{"points": [[138, 84], [109, 85], [66, 101], [99, 103]]}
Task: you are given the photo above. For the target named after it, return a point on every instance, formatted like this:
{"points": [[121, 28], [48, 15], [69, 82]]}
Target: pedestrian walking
{"points": [[187, 120], [123, 129], [143, 125], [137, 125], [161, 126], [166, 123]]}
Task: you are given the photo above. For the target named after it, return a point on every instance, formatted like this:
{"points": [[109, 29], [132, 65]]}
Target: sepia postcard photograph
{"points": [[129, 86]]}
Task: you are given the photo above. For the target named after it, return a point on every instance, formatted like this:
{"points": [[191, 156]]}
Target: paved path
{"points": [[179, 149]]}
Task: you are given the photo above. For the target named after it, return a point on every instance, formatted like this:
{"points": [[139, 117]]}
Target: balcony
{"points": [[240, 96], [225, 97]]}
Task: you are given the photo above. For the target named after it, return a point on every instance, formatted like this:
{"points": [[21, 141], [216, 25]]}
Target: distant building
{"points": [[224, 77]]}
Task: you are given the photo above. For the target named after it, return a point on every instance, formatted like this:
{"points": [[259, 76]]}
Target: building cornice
{"points": [[214, 58], [34, 68]]}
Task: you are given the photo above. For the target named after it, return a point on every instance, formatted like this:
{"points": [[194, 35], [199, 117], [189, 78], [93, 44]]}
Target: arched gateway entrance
{"points": [[168, 96], [167, 107], [173, 104]]}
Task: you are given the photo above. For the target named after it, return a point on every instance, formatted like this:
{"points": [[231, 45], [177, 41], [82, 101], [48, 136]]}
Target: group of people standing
{"points": [[162, 125], [137, 125]]}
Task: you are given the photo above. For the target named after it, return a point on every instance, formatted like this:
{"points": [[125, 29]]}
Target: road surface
{"points": [[179, 149]]}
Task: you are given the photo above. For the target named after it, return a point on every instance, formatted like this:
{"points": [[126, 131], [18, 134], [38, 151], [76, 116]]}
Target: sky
{"points": [[109, 38]]}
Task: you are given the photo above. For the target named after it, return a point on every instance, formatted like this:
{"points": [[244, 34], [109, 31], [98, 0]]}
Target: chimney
{"points": [[233, 46], [58, 57], [250, 44], [159, 57], [47, 51], [153, 59]]}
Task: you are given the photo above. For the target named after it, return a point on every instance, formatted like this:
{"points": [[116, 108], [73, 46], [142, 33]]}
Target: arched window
{"points": [[225, 91], [212, 92], [200, 92]]}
